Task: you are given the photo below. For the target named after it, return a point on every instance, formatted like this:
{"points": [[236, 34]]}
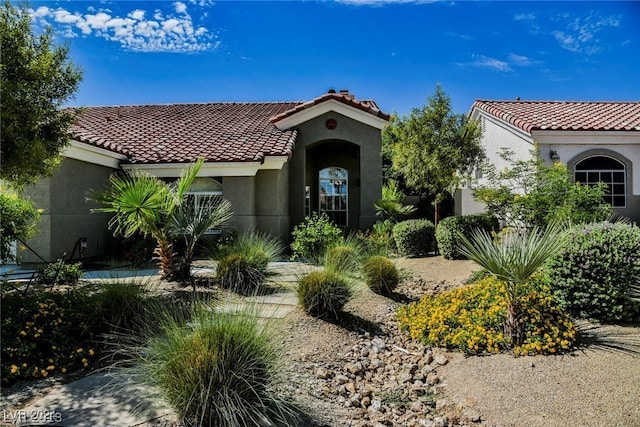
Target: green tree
{"points": [[530, 193], [18, 219], [37, 78], [432, 149], [143, 203]]}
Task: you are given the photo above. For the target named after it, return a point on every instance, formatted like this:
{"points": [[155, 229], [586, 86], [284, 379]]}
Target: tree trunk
{"points": [[164, 255], [512, 327]]}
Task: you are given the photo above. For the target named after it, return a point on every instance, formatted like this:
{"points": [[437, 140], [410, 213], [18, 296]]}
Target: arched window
{"points": [[608, 170], [334, 194]]}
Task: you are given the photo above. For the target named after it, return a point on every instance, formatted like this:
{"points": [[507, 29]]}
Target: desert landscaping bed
{"points": [[335, 370], [361, 371]]}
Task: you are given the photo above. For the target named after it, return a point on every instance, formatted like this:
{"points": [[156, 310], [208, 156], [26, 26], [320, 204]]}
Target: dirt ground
{"points": [[597, 385]]}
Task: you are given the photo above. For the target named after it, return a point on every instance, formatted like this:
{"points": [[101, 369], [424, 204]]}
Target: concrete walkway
{"points": [[105, 400]]}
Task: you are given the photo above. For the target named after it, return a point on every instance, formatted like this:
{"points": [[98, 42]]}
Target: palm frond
{"points": [[137, 201], [514, 257]]}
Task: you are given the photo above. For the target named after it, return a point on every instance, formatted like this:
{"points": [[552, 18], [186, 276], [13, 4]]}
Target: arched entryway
{"points": [[332, 182]]}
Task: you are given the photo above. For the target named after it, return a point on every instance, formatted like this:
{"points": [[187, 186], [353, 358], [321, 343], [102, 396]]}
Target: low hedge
{"points": [[592, 276], [414, 237], [448, 229]]}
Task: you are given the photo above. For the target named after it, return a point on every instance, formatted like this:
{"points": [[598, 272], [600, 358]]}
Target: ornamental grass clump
{"points": [[214, 369], [345, 256], [470, 319], [242, 265], [323, 293], [381, 275]]}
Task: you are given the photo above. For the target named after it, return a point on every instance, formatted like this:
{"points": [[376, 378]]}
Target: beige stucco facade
{"points": [[66, 214], [267, 195]]}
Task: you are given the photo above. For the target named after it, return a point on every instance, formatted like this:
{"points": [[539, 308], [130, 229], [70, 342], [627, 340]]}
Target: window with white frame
{"points": [[334, 195], [205, 192], [607, 170]]}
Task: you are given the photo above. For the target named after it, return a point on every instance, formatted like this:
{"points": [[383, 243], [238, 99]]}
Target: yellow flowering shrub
{"points": [[471, 319], [46, 333]]}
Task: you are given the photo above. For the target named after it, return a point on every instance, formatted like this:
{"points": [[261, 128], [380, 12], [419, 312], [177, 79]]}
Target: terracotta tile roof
{"points": [[565, 115], [179, 133], [343, 96]]}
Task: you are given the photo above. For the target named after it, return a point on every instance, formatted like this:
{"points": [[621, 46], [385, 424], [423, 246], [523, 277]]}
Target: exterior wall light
{"points": [[553, 155]]}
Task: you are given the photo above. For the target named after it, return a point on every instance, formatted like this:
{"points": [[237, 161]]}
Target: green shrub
{"points": [[381, 275], [218, 369], [242, 265], [312, 237], [448, 229], [476, 276], [471, 319], [593, 274], [321, 293], [414, 237], [46, 333], [19, 221], [61, 272]]}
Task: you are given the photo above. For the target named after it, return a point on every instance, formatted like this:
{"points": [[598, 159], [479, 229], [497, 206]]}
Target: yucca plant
{"points": [[513, 259]]}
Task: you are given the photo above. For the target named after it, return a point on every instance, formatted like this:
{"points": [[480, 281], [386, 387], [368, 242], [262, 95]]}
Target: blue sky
{"points": [[395, 52]]}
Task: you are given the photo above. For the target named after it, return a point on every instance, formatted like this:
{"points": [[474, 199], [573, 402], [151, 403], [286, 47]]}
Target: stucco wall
{"points": [[369, 184], [272, 202], [573, 147], [240, 191], [67, 216]]}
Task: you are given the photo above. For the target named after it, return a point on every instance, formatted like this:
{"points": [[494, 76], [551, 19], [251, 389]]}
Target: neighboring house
{"points": [[598, 141], [274, 161]]}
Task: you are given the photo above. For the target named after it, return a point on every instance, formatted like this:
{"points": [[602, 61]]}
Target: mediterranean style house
{"points": [[276, 162], [598, 141]]}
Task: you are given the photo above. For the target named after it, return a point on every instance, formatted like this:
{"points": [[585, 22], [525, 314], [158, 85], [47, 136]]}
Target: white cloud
{"points": [[491, 63], [578, 34], [465, 37], [180, 7], [521, 60], [134, 32], [137, 14]]}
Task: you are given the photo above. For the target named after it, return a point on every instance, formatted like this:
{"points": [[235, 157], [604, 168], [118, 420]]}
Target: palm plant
{"points": [[191, 224], [143, 203], [513, 259], [390, 206]]}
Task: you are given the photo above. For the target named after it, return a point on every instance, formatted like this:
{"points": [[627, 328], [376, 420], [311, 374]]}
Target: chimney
{"points": [[346, 94], [331, 91]]}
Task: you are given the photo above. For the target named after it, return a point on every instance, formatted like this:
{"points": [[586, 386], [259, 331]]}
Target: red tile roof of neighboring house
{"points": [[217, 132], [565, 115]]}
